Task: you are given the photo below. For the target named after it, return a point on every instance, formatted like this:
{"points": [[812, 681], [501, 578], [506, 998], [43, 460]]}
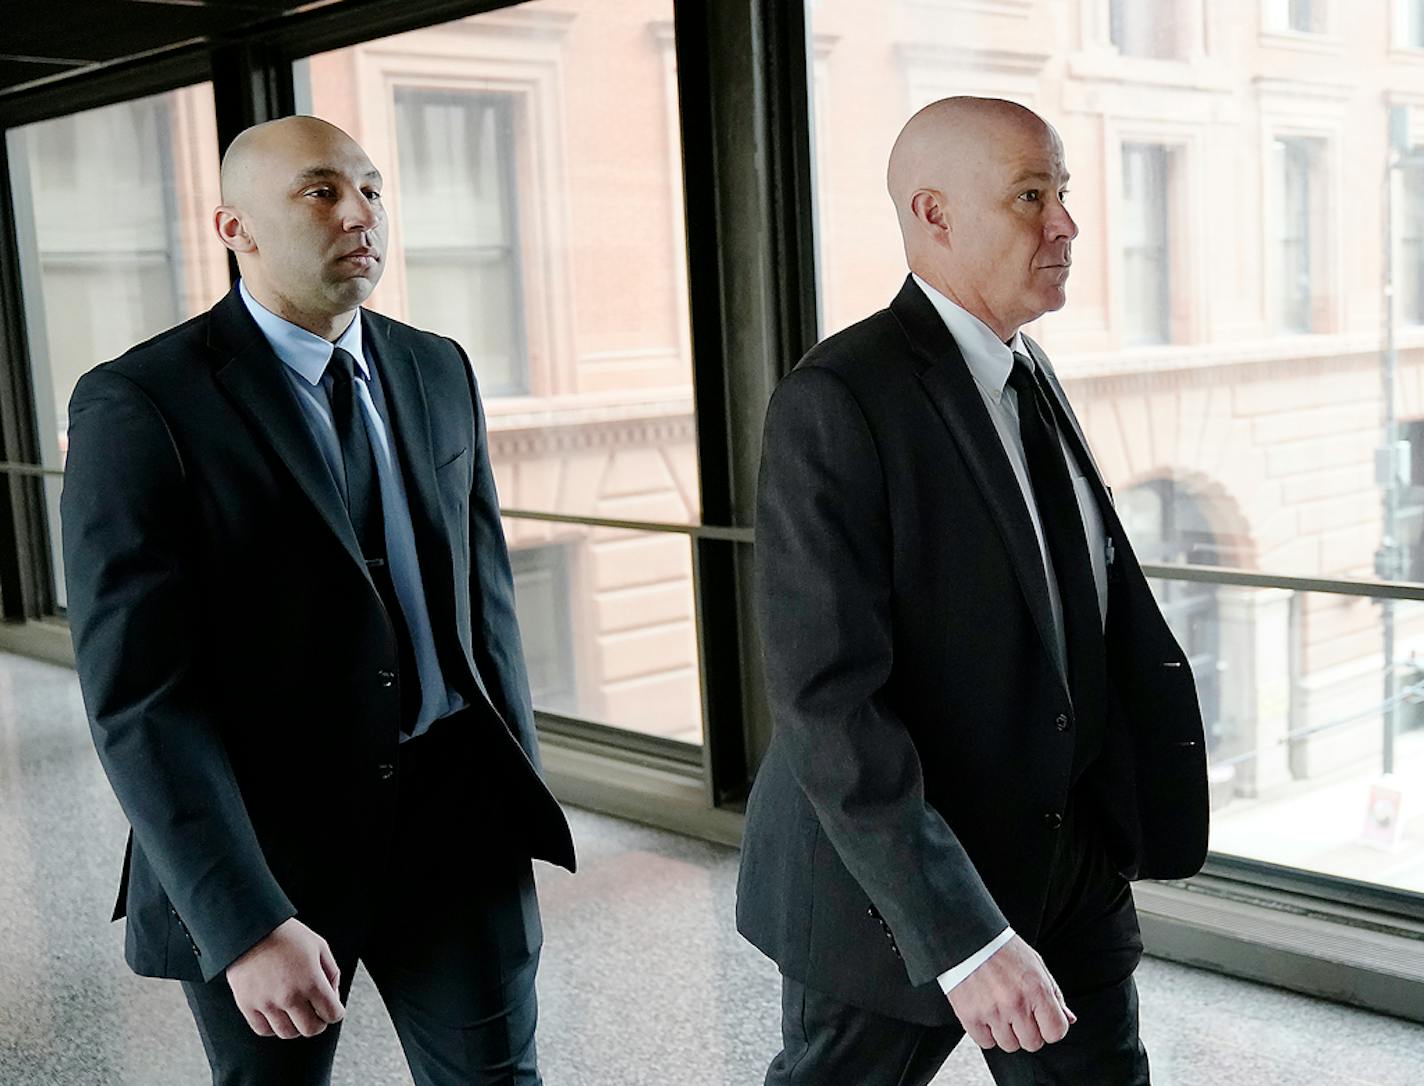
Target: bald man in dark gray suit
{"points": [[984, 727]]}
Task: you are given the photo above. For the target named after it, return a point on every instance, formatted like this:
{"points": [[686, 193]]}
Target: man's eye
{"points": [[322, 192], [1063, 194], [1030, 196], [372, 194]]}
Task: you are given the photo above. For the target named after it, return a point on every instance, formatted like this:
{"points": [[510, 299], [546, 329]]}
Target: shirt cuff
{"points": [[952, 978]]}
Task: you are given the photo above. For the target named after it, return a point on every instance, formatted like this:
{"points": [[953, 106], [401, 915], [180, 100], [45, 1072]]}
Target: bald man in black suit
{"points": [[293, 619]]}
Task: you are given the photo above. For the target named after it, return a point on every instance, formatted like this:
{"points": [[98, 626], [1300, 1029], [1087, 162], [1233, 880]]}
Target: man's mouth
{"points": [[362, 258]]}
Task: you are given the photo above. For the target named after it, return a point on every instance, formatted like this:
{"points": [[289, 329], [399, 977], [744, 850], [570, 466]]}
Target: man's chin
{"points": [[349, 293], [1051, 301]]}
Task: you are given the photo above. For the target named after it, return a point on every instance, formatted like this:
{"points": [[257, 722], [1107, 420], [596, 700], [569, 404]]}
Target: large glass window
{"points": [[551, 246], [112, 212], [1224, 208]]}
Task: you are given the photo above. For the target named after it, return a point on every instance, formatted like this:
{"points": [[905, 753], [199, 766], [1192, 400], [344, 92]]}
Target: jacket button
{"points": [[385, 771], [1053, 820], [388, 678], [1061, 722]]}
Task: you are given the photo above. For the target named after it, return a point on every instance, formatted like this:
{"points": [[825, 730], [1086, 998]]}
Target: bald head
{"points": [[946, 145], [302, 210], [257, 150], [977, 185]]}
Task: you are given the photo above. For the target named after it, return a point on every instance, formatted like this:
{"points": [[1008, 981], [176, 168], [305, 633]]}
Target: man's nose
{"points": [[359, 213], [1060, 224]]}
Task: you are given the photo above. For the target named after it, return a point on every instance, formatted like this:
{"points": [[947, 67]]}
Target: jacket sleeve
{"points": [[132, 615], [824, 589]]}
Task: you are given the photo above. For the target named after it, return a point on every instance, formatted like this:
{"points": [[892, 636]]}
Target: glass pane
{"points": [[1297, 709], [550, 245], [456, 153], [112, 210], [1293, 233], [607, 618], [1225, 323], [1145, 253], [1143, 30], [1305, 15]]}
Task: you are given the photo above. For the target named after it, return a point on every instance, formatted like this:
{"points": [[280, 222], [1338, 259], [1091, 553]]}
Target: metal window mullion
{"points": [[25, 587]]}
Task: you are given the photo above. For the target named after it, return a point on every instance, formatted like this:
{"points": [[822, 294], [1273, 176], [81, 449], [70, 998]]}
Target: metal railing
{"points": [[1222, 575]]}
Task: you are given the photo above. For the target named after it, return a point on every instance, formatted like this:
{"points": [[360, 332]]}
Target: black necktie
{"points": [[363, 505], [1067, 542]]}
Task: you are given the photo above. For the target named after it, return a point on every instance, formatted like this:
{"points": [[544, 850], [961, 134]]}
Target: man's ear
{"points": [[927, 206], [232, 231]]}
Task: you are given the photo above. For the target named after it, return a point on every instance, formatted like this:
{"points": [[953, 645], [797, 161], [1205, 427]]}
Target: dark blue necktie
{"points": [[363, 505]]}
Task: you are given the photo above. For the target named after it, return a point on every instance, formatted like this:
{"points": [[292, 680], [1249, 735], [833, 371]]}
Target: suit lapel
{"points": [[1120, 547], [951, 388], [252, 376], [1066, 410], [409, 425]]}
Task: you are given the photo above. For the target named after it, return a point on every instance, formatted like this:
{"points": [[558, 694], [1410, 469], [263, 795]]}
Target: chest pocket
{"points": [[452, 478]]}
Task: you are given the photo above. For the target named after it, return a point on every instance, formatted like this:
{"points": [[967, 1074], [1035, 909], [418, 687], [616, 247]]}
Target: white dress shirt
{"points": [[990, 362]]}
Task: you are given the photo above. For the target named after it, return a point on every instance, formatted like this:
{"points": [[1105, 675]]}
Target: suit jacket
{"points": [[908, 805], [235, 659]]}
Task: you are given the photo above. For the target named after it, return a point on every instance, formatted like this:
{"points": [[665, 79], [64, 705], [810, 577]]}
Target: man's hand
{"points": [[1012, 1001], [286, 985]]}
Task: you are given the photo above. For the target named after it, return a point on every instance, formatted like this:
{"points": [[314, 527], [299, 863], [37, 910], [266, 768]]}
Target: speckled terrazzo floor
{"points": [[644, 981]]}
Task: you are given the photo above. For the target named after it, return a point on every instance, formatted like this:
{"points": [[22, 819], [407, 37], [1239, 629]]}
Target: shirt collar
{"points": [[304, 353], [989, 359]]}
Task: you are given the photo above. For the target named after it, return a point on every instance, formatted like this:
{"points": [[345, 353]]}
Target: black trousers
{"points": [[448, 929], [1091, 944]]}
